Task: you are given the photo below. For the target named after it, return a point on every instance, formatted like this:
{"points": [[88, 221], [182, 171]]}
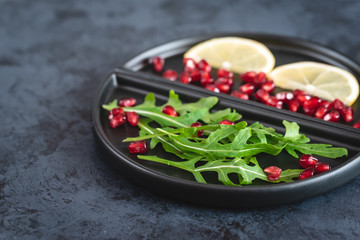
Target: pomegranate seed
{"points": [[195, 75], [260, 79], [309, 172], [204, 66], [357, 124], [247, 88], [293, 105], [311, 105], [226, 122], [348, 114], [248, 77], [284, 96], [321, 111], [132, 118], [222, 86], [197, 124], [114, 112], [158, 64], [324, 103], [273, 173], [212, 87], [222, 73], [262, 95], [170, 74], [321, 167], [189, 64], [118, 120], [268, 86], [240, 94], [127, 102], [169, 110], [137, 147], [185, 78], [337, 105], [332, 116], [301, 98], [306, 161], [227, 81], [206, 79], [272, 101], [297, 92]]}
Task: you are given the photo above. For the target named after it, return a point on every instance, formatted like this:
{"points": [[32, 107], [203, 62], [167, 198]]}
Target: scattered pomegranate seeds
{"points": [[206, 79], [311, 105], [137, 147], [226, 122], [212, 87], [117, 120], [189, 64], [158, 63], [127, 102], [170, 74], [169, 110], [222, 73], [262, 95], [268, 86], [272, 101], [240, 94], [273, 173], [247, 88], [309, 172], [204, 66], [248, 77], [114, 112], [332, 116], [321, 167], [195, 75], [197, 124], [132, 118], [320, 112], [347, 114], [337, 105], [185, 78], [357, 124], [306, 161], [293, 105], [284, 96], [223, 85]]}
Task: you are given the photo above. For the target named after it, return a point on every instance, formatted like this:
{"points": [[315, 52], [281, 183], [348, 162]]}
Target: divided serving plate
{"points": [[137, 79]]}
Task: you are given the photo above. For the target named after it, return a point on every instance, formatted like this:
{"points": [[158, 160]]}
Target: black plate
{"points": [[179, 184]]}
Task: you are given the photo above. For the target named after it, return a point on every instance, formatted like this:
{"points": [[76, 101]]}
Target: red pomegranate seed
{"points": [[137, 147], [348, 114], [185, 78], [169, 110], [204, 66], [311, 105], [268, 86], [197, 124], [337, 104], [293, 105], [206, 79], [170, 74], [301, 98], [297, 92], [273, 173], [284, 96], [114, 112], [325, 104], [127, 102], [321, 111], [247, 88], [195, 75], [272, 101], [212, 87], [248, 77], [262, 95], [226, 122], [240, 94], [321, 167], [227, 81], [222, 73], [222, 86], [332, 116], [189, 64], [118, 120], [306, 161], [309, 172], [158, 63], [357, 124], [260, 79], [132, 118]]}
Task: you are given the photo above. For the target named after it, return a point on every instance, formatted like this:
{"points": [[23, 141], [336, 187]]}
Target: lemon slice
{"points": [[318, 79], [235, 54]]}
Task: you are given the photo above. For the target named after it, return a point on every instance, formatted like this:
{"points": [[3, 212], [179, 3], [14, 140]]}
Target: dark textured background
{"points": [[53, 182]]}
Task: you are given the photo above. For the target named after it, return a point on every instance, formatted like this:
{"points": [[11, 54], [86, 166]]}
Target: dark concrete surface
{"points": [[53, 181]]}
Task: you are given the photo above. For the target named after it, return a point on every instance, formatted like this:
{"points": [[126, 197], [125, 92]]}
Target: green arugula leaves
{"points": [[228, 150]]}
